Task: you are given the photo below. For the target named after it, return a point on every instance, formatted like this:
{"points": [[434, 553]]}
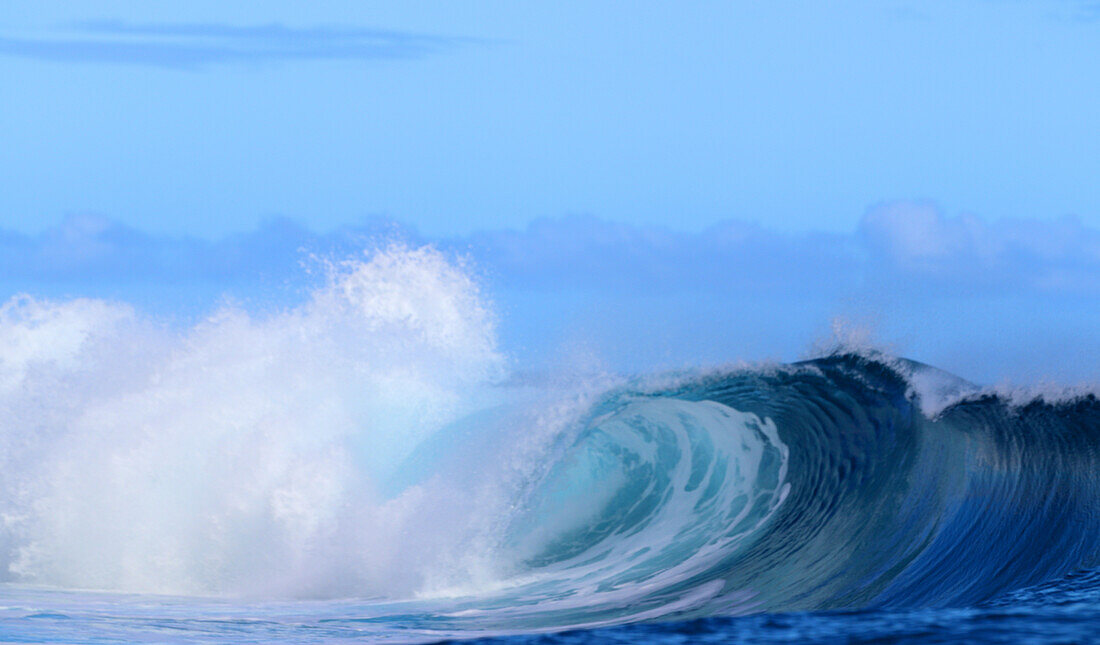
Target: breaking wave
{"points": [[371, 444]]}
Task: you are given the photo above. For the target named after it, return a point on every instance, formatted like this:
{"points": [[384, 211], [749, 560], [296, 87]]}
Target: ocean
{"points": [[368, 465]]}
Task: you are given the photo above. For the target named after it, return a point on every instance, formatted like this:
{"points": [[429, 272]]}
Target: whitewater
{"points": [[370, 464]]}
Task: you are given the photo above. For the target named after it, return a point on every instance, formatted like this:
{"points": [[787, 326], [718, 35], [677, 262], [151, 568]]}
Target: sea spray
{"points": [[243, 454]]}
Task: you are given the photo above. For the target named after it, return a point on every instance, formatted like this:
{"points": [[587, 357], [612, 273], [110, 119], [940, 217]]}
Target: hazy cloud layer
{"points": [[192, 46], [915, 243], [898, 246]]}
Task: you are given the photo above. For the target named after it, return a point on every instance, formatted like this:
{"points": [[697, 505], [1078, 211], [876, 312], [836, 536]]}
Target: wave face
{"points": [[813, 486], [891, 507], [370, 444]]}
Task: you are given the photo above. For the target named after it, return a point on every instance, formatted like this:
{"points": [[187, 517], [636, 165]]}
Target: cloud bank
{"points": [[900, 245], [917, 244], [193, 46]]}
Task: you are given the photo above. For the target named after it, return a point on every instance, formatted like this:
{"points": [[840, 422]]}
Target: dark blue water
{"points": [[1072, 617]]}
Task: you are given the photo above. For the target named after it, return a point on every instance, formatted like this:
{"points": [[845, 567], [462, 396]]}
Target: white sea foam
{"points": [[244, 454]]}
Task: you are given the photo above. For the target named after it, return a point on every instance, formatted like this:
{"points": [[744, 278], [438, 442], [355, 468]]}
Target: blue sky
{"points": [[203, 118], [728, 175]]}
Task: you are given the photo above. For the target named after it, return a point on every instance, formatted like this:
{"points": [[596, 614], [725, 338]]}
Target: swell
{"points": [[889, 507]]}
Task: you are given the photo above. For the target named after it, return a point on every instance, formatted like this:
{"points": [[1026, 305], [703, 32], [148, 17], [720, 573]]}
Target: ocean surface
{"points": [[369, 466]]}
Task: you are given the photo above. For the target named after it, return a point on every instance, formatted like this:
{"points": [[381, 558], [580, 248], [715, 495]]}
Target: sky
{"points": [[667, 183]]}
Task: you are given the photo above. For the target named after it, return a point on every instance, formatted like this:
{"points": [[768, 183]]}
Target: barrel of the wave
{"points": [[890, 506], [643, 506]]}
